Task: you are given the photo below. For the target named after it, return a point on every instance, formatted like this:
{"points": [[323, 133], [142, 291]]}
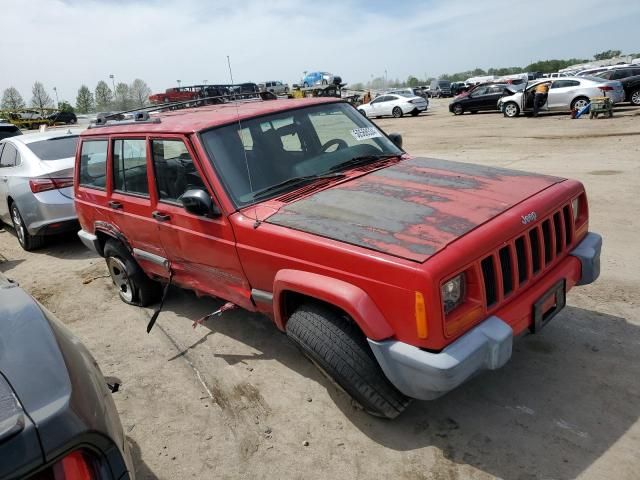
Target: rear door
{"points": [[561, 94], [491, 97], [130, 202], [201, 249]]}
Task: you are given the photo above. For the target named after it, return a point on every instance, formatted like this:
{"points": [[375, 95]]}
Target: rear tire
{"points": [[362, 112], [27, 241], [635, 98], [579, 103], [396, 112], [339, 349], [134, 287]]}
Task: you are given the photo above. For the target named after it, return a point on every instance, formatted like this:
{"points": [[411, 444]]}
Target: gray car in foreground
{"points": [[57, 417], [36, 184]]}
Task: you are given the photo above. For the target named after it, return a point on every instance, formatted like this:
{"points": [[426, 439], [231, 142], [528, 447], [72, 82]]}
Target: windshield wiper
{"points": [[291, 182], [362, 159]]}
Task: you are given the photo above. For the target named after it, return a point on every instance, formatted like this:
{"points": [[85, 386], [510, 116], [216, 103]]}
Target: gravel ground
{"points": [[234, 399]]}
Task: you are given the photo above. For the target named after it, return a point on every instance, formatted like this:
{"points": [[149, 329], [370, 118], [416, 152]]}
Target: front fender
{"points": [[350, 298]]}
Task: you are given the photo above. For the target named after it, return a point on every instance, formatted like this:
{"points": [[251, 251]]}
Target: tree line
{"points": [[543, 66], [101, 99]]}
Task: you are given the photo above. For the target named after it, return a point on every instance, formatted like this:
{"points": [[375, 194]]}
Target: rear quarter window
{"points": [[93, 164]]}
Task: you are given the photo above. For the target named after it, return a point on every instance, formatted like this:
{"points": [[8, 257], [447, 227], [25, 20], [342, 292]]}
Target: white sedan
{"points": [[392, 104]]}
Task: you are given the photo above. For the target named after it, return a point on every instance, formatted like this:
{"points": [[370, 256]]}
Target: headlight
{"points": [[575, 206], [453, 293]]}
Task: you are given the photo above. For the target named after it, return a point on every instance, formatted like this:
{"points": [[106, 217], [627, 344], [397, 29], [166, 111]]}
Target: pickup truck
{"points": [[400, 277]]}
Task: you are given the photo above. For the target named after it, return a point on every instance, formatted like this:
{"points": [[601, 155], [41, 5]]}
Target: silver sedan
{"points": [[565, 94], [36, 184]]}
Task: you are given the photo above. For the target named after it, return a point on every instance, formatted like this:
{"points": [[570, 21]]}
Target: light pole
{"points": [[113, 82], [57, 101], [179, 81], [385, 78], [205, 81]]}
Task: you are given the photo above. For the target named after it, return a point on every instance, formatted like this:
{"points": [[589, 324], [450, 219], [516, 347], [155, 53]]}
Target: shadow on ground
{"points": [[567, 395], [142, 471]]}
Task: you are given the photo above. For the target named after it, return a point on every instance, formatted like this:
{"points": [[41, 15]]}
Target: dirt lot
{"points": [[234, 399]]}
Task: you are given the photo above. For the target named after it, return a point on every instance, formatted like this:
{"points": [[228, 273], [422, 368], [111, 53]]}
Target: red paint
{"points": [[228, 256]]}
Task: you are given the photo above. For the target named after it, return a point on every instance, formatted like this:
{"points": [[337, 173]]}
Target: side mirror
{"points": [[199, 202], [396, 138]]}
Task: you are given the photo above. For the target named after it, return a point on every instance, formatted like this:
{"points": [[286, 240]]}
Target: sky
{"points": [[67, 43]]}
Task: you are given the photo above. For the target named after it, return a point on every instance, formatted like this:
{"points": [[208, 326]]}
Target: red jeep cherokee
{"points": [[400, 277]]}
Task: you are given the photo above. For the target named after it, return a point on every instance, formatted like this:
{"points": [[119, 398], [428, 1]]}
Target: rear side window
{"points": [[130, 166], [10, 156], [174, 169], [93, 164], [54, 148]]}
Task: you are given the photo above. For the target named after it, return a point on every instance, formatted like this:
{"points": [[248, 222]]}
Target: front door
{"points": [[201, 249], [131, 205]]}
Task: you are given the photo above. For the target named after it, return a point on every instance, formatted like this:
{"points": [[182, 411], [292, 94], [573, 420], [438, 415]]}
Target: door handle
{"points": [[115, 205], [162, 217]]}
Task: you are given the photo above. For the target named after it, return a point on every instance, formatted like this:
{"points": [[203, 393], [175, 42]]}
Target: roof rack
{"points": [[141, 115]]}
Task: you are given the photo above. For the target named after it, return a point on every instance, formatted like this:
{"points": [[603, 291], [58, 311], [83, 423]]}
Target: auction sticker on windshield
{"points": [[365, 133]]}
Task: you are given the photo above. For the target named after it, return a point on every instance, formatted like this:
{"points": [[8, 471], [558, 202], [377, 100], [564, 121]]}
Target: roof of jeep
{"points": [[196, 119]]}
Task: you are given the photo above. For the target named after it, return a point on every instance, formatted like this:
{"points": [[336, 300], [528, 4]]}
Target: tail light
{"points": [[43, 184], [77, 465], [416, 100], [606, 88]]}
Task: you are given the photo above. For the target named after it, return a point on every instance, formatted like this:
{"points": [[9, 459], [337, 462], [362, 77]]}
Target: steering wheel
{"points": [[336, 141]]}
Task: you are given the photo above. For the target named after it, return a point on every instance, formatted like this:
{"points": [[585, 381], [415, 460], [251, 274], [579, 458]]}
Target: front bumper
{"points": [[90, 241], [426, 375]]}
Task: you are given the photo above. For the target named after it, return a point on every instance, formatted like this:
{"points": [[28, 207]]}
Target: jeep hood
{"points": [[413, 208]]}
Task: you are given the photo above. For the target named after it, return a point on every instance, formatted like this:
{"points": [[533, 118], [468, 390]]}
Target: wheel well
{"points": [[292, 300], [102, 239]]}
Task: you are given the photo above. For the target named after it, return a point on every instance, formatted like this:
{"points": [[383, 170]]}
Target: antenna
{"points": [[244, 150]]}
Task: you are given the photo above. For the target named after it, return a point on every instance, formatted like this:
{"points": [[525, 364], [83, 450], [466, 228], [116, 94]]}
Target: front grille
{"points": [[526, 256]]}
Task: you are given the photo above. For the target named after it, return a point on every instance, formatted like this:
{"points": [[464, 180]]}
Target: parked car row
{"points": [[565, 94]]}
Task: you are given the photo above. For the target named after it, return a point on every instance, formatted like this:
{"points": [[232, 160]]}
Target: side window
{"points": [[9, 154], [130, 166], [93, 164], [174, 170]]}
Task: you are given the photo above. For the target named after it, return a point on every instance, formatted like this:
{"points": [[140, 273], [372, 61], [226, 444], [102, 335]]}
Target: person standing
{"points": [[540, 97]]}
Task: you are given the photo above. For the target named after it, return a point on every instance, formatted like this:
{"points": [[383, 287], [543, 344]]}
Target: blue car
{"points": [[318, 78]]}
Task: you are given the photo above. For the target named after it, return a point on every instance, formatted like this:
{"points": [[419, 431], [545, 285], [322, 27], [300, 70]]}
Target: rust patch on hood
{"points": [[411, 209]]}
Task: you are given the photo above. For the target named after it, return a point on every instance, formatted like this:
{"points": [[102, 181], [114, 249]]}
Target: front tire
{"points": [[457, 109], [511, 110], [339, 349], [27, 241], [362, 112], [396, 112], [134, 287]]}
